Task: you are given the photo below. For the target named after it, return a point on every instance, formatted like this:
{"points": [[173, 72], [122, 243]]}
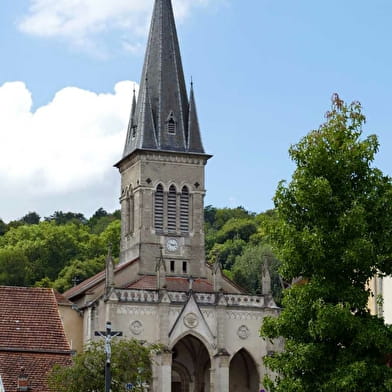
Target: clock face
{"points": [[171, 245]]}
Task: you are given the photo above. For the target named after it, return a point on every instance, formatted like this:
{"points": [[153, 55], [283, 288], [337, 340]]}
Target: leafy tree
{"points": [[227, 252], [111, 236], [14, 224], [14, 267], [77, 269], [62, 218], [3, 227], [130, 363], [247, 268], [32, 218], [236, 228], [333, 229]]}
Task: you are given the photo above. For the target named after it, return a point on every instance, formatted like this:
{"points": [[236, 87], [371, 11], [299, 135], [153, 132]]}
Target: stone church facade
{"points": [[162, 290]]}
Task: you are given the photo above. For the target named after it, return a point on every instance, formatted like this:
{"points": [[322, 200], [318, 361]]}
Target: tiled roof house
{"points": [[32, 338]]}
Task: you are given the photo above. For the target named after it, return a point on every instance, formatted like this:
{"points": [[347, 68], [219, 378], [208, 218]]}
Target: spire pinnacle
{"points": [[109, 271], [194, 139]]}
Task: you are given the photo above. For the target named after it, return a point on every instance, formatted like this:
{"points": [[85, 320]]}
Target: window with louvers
{"points": [[171, 126], [172, 209], [184, 210], [158, 208]]}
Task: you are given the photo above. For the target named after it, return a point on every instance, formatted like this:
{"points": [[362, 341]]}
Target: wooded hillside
{"points": [[66, 248]]}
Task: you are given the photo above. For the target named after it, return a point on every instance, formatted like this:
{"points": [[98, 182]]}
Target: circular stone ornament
{"points": [[136, 327], [191, 320], [243, 332]]}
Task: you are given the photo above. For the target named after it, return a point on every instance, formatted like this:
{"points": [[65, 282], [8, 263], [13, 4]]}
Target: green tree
{"points": [[77, 269], [14, 267], [227, 252], [333, 229], [32, 218], [247, 268], [131, 363], [3, 227], [61, 218]]}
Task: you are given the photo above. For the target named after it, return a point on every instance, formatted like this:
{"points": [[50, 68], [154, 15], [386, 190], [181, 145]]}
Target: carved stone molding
{"points": [[238, 315], [136, 310]]}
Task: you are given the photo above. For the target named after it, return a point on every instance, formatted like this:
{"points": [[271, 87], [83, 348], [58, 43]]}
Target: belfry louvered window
{"points": [[184, 210], [171, 124], [158, 208], [172, 209]]}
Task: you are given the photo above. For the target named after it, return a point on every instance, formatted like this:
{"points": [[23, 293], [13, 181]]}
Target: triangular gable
{"points": [[190, 320]]}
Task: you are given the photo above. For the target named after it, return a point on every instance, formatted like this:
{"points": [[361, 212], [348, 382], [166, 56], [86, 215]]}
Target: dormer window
{"points": [[171, 124]]}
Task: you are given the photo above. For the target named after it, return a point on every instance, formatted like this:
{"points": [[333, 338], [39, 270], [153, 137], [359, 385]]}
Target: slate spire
{"points": [[164, 119]]}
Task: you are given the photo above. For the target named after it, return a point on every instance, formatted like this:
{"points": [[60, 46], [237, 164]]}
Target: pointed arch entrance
{"points": [[191, 366], [244, 376]]}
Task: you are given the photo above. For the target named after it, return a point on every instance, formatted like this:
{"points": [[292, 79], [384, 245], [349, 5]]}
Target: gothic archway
{"points": [[191, 366], [244, 376]]}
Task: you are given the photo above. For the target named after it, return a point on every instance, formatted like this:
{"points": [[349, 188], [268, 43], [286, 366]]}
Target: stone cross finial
{"points": [[191, 279], [161, 271], [109, 271], [265, 277], [75, 281], [217, 275]]}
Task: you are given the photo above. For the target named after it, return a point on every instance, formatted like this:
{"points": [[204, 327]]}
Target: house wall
{"points": [[73, 326]]}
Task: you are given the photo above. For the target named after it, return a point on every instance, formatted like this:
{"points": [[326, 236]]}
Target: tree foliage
{"points": [[247, 268], [333, 229], [130, 363], [53, 253], [66, 248], [32, 218]]}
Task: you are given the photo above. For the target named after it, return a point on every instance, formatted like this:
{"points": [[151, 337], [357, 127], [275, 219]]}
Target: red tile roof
{"points": [[172, 284], [94, 280], [36, 368], [31, 336], [30, 320]]}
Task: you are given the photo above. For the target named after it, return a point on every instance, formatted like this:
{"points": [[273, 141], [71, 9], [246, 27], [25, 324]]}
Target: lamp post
{"points": [[108, 335]]}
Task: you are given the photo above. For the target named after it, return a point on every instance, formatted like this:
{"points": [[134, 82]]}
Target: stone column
{"points": [[162, 372], [220, 377]]}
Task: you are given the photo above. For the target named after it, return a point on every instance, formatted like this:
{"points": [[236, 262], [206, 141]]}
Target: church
{"points": [[163, 290]]}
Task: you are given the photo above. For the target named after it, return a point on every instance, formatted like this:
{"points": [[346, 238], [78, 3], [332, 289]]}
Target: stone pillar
{"points": [[162, 370], [220, 377]]}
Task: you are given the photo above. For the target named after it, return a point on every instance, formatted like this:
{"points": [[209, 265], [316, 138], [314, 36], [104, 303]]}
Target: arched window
{"points": [[172, 209], [158, 208], [131, 214], [184, 210]]}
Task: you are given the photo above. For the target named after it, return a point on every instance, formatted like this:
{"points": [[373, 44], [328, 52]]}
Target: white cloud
{"points": [[82, 21], [67, 145]]}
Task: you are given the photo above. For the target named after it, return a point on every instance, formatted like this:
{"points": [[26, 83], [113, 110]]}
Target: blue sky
{"points": [[264, 72]]}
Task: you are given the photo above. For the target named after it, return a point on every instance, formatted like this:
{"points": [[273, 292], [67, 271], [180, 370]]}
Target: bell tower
{"points": [[162, 168]]}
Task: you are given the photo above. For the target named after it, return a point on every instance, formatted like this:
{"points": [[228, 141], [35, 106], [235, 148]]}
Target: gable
{"points": [[191, 320]]}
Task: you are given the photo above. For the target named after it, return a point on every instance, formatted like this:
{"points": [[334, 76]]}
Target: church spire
{"points": [[163, 93]]}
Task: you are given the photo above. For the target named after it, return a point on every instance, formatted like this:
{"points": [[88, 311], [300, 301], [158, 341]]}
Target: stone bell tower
{"points": [[162, 168]]}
